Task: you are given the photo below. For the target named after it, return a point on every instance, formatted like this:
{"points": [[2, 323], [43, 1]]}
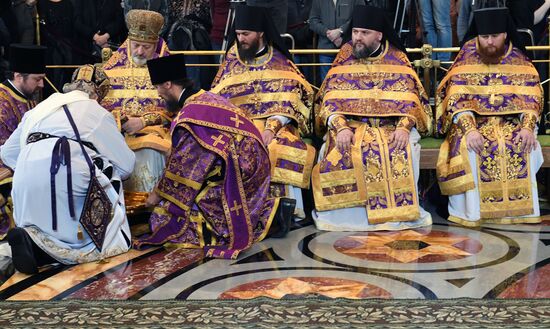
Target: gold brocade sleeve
{"points": [[339, 123], [273, 125], [467, 123], [529, 121], [405, 123]]}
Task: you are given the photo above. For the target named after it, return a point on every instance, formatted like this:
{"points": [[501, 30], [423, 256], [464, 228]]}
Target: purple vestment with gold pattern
{"points": [[273, 87], [12, 107], [373, 97], [132, 95], [497, 100], [216, 183]]}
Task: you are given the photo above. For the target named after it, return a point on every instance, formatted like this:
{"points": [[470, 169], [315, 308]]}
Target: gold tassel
{"points": [[79, 234]]}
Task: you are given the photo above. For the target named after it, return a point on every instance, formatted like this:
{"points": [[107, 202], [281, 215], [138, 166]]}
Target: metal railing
{"points": [[423, 65]]}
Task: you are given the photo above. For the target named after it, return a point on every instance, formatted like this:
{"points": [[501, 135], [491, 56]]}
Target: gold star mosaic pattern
{"points": [[408, 246]]}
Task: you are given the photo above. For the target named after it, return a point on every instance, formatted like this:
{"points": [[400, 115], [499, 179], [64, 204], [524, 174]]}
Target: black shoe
{"points": [[302, 223], [283, 218], [22, 251]]}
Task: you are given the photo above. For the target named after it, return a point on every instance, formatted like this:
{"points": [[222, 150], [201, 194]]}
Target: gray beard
{"points": [[361, 53], [139, 61]]}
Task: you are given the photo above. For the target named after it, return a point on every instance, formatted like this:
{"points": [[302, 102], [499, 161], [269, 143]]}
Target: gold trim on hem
{"points": [[400, 214], [149, 141], [457, 185], [306, 158], [501, 221]]}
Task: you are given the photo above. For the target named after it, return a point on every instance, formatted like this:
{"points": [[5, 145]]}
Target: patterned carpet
{"points": [[289, 313]]}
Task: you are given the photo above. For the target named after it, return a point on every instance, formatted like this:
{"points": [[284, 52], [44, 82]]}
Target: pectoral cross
{"points": [[237, 120], [218, 140], [236, 207]]}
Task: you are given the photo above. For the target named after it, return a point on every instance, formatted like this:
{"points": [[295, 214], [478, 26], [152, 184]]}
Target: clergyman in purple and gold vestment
{"points": [[374, 108], [259, 77], [214, 192], [26, 76], [134, 102], [488, 107]]}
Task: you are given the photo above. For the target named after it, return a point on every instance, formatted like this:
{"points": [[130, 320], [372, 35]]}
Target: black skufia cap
{"points": [[249, 18], [257, 19], [167, 68], [27, 59], [491, 20], [375, 18]]}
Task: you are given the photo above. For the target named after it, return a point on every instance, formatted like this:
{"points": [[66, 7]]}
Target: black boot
{"points": [[22, 251], [283, 218]]}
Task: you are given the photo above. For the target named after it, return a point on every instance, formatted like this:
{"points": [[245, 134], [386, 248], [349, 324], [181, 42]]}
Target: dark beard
{"points": [[365, 52], [173, 106], [250, 53], [492, 57]]}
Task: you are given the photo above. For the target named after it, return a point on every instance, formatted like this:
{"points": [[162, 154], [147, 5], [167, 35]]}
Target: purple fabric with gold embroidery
{"points": [[217, 179], [385, 86], [374, 96], [131, 90], [273, 86], [12, 109], [522, 74], [249, 83], [498, 95]]}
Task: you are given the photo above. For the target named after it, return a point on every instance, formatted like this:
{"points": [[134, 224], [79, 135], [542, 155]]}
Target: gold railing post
{"points": [[37, 27], [106, 53], [426, 63]]}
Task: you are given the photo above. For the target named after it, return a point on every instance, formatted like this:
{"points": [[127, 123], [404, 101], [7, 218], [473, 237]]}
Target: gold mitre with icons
{"points": [[144, 25]]}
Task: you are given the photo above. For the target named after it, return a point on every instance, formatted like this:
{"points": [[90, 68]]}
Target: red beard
{"points": [[492, 54]]}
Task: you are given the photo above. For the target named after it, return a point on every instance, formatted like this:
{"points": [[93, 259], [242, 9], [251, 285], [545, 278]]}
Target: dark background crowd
{"points": [[75, 30]]}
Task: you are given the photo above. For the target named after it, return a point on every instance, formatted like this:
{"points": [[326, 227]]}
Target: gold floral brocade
{"points": [[503, 175], [379, 178]]}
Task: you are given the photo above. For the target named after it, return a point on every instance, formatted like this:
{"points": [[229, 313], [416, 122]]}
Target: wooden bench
{"points": [[430, 151]]}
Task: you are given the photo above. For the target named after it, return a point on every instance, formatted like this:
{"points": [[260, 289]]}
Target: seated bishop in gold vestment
{"points": [[374, 109], [141, 113], [488, 107]]}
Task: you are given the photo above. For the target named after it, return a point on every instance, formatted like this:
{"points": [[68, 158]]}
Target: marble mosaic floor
{"points": [[444, 261]]}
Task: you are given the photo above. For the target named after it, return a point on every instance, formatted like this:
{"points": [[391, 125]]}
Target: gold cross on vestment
{"points": [[85, 73], [236, 207], [217, 140], [237, 120]]}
